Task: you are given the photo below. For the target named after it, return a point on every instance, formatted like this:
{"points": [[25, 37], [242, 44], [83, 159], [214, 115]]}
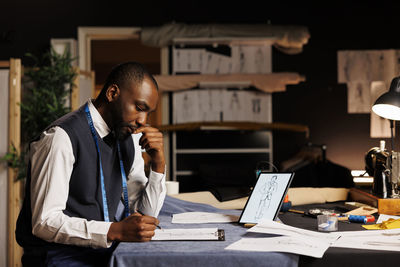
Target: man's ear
{"points": [[112, 93]]}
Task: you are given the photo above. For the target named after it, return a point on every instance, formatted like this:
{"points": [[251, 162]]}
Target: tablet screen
{"points": [[266, 198]]}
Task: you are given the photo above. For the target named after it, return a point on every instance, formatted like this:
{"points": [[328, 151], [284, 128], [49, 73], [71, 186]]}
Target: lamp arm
{"points": [[391, 133]]}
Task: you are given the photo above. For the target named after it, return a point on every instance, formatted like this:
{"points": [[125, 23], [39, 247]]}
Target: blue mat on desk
{"points": [[195, 253]]}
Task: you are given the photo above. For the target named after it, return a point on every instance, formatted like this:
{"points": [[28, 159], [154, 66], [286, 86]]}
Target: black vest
{"points": [[85, 197]]}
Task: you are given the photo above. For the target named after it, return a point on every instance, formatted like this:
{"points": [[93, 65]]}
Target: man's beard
{"points": [[124, 130]]}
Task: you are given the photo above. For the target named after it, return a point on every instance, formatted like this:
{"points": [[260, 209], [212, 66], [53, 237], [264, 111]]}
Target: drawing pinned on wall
{"points": [[260, 104], [210, 106], [187, 60], [367, 65], [216, 64], [185, 106], [243, 59], [251, 59], [359, 97], [380, 127], [358, 69], [206, 105], [234, 105]]}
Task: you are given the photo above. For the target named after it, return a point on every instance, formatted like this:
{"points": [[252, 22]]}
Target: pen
{"points": [[141, 213]]}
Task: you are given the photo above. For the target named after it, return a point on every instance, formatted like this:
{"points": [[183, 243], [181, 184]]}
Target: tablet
{"points": [[267, 197]]}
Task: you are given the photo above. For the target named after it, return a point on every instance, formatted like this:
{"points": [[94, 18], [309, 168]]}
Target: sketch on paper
{"points": [[185, 106], [186, 234], [215, 63], [235, 106], [367, 65], [187, 60], [251, 59], [266, 197], [266, 193], [359, 97], [297, 245], [380, 127], [209, 105], [261, 107]]}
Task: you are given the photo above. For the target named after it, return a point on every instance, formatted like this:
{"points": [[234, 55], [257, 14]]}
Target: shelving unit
{"points": [[243, 143], [227, 141], [263, 153]]}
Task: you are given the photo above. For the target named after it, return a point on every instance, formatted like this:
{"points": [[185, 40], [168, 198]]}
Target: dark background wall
{"points": [[320, 102]]}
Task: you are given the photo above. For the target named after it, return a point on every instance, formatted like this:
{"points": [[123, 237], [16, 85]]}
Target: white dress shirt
{"points": [[52, 161]]}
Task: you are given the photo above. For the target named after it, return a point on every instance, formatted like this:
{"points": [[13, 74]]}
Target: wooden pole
{"points": [[93, 77], [14, 187], [75, 90]]}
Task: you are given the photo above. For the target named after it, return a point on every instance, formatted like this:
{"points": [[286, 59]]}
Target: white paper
{"points": [[261, 107], [369, 242], [359, 97], [371, 233], [188, 60], [380, 127], [385, 217], [367, 65], [297, 245], [186, 106], [272, 227], [235, 105], [203, 217], [251, 59], [216, 64], [186, 234]]}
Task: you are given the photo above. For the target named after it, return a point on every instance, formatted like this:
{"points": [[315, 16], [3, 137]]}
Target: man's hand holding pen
{"points": [[136, 227]]}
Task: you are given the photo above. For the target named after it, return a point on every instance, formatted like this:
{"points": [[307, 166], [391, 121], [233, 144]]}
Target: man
{"points": [[81, 169]]}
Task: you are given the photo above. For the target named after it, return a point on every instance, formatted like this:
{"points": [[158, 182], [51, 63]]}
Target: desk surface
{"points": [[212, 253], [195, 253], [339, 256]]}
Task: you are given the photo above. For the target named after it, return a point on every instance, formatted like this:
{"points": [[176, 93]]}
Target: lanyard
{"points": [[123, 175]]}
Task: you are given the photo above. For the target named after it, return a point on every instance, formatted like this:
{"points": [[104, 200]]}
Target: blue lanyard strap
{"points": [[123, 175], [124, 186]]}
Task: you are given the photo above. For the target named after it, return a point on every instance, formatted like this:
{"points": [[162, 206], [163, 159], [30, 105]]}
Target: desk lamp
{"points": [[388, 106]]}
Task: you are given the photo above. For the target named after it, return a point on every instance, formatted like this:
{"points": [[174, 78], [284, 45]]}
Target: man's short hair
{"points": [[123, 74]]}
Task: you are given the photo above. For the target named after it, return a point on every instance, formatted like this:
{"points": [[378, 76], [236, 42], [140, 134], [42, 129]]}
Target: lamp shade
{"points": [[388, 104]]}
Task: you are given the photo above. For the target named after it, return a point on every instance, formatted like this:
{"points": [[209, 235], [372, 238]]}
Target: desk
{"points": [[212, 253], [339, 257], [195, 253]]}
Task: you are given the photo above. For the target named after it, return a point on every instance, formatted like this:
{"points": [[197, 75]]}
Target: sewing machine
{"points": [[385, 168]]}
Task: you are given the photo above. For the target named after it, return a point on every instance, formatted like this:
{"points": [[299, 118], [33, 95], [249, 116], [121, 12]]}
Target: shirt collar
{"points": [[98, 122]]}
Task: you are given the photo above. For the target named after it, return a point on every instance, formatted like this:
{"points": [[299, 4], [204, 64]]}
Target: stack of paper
{"points": [[293, 240], [314, 244], [203, 217]]}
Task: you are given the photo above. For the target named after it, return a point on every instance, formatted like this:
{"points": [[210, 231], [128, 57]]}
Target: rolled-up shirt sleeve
{"points": [[146, 194], [52, 161]]}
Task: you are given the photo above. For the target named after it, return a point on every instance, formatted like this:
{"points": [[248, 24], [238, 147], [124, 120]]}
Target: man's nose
{"points": [[141, 120]]}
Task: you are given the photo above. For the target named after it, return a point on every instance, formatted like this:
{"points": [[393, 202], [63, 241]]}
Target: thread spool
{"points": [[361, 219]]}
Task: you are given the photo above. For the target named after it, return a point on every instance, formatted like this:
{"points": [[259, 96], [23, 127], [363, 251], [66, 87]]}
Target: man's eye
{"points": [[138, 108]]}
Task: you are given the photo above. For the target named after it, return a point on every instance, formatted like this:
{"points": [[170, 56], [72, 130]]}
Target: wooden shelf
{"points": [[268, 83], [249, 126]]}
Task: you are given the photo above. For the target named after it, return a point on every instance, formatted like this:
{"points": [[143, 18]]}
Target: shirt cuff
{"points": [[99, 236], [156, 177]]}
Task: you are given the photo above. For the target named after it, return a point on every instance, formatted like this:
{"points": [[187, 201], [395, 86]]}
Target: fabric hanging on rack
{"points": [[313, 169], [288, 39]]}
